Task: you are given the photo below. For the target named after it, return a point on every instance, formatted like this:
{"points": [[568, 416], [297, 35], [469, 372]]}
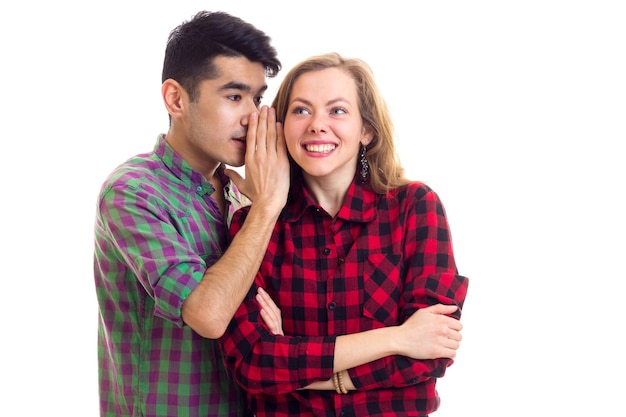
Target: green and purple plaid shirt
{"points": [[157, 230]]}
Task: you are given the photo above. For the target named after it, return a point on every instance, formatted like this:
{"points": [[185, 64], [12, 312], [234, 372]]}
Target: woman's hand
{"points": [[430, 333], [270, 313]]}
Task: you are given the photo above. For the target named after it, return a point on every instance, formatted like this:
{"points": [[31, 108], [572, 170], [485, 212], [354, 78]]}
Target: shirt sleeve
{"points": [[273, 364], [144, 235], [431, 278]]}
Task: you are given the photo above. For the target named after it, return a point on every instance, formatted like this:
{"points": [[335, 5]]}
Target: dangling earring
{"points": [[365, 167]]}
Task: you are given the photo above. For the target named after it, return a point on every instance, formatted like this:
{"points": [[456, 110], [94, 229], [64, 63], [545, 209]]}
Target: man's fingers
{"points": [[271, 138], [266, 161], [253, 122], [261, 131], [281, 146]]}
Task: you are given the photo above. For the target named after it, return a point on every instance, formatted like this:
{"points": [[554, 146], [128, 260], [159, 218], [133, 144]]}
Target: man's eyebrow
{"points": [[234, 85]]}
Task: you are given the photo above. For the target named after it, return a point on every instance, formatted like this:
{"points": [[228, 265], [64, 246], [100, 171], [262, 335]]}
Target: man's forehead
{"points": [[239, 70]]}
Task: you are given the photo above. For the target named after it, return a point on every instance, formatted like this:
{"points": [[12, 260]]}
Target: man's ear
{"points": [[173, 97]]}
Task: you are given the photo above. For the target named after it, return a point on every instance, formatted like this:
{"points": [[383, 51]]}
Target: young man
{"points": [[168, 280]]}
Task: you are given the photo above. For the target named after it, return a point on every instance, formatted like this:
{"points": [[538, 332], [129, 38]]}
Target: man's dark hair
{"points": [[192, 46]]}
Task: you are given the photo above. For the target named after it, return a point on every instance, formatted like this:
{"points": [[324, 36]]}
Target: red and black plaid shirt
{"points": [[379, 260]]}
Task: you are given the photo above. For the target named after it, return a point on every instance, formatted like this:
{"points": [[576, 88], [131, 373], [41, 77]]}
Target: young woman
{"points": [[360, 265]]}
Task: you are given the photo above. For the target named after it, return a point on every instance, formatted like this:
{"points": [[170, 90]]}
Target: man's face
{"points": [[217, 122]]}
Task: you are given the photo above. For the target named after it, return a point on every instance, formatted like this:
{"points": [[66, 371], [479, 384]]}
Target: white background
{"points": [[513, 111]]}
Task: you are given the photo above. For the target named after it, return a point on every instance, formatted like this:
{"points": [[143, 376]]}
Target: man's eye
{"points": [[258, 100], [234, 97]]}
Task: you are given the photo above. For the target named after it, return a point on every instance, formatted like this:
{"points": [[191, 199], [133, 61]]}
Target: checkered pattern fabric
{"points": [[157, 230], [377, 262]]}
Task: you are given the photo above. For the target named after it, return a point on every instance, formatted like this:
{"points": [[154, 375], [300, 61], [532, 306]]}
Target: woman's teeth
{"points": [[320, 148]]}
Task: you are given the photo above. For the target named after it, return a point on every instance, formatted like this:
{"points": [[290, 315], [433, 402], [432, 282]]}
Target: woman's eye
{"points": [[300, 110]]}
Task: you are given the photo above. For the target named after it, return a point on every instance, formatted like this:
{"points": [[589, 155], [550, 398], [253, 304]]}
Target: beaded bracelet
{"points": [[341, 389], [336, 382]]}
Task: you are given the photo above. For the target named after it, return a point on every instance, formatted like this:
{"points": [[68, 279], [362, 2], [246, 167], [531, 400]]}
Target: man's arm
{"points": [[211, 306]]}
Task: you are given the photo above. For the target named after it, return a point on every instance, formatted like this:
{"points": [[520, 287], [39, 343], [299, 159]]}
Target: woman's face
{"points": [[323, 126]]}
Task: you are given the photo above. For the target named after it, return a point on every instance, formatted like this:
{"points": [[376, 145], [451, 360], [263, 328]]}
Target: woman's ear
{"points": [[367, 135]]}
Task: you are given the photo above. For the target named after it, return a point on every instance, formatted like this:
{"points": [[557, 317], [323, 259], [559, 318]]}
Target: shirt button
{"points": [[341, 260], [332, 305], [326, 251], [199, 188]]}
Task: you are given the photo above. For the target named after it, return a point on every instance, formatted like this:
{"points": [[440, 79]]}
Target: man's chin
{"points": [[236, 162]]}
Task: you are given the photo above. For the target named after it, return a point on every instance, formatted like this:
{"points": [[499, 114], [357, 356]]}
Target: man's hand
{"points": [[266, 181]]}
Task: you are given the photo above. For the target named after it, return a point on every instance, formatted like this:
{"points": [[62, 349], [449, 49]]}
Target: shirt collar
{"points": [[359, 204], [183, 171]]}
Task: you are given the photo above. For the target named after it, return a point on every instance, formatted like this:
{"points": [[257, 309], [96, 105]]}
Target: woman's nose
{"points": [[318, 124]]}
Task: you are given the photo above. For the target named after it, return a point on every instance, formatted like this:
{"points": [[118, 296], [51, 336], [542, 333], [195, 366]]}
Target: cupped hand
{"points": [[266, 179]]}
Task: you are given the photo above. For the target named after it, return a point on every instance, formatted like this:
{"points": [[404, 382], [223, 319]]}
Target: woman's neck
{"points": [[329, 192]]}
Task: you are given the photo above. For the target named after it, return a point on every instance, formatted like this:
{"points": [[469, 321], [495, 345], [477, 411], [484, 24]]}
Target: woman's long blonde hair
{"points": [[385, 170]]}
